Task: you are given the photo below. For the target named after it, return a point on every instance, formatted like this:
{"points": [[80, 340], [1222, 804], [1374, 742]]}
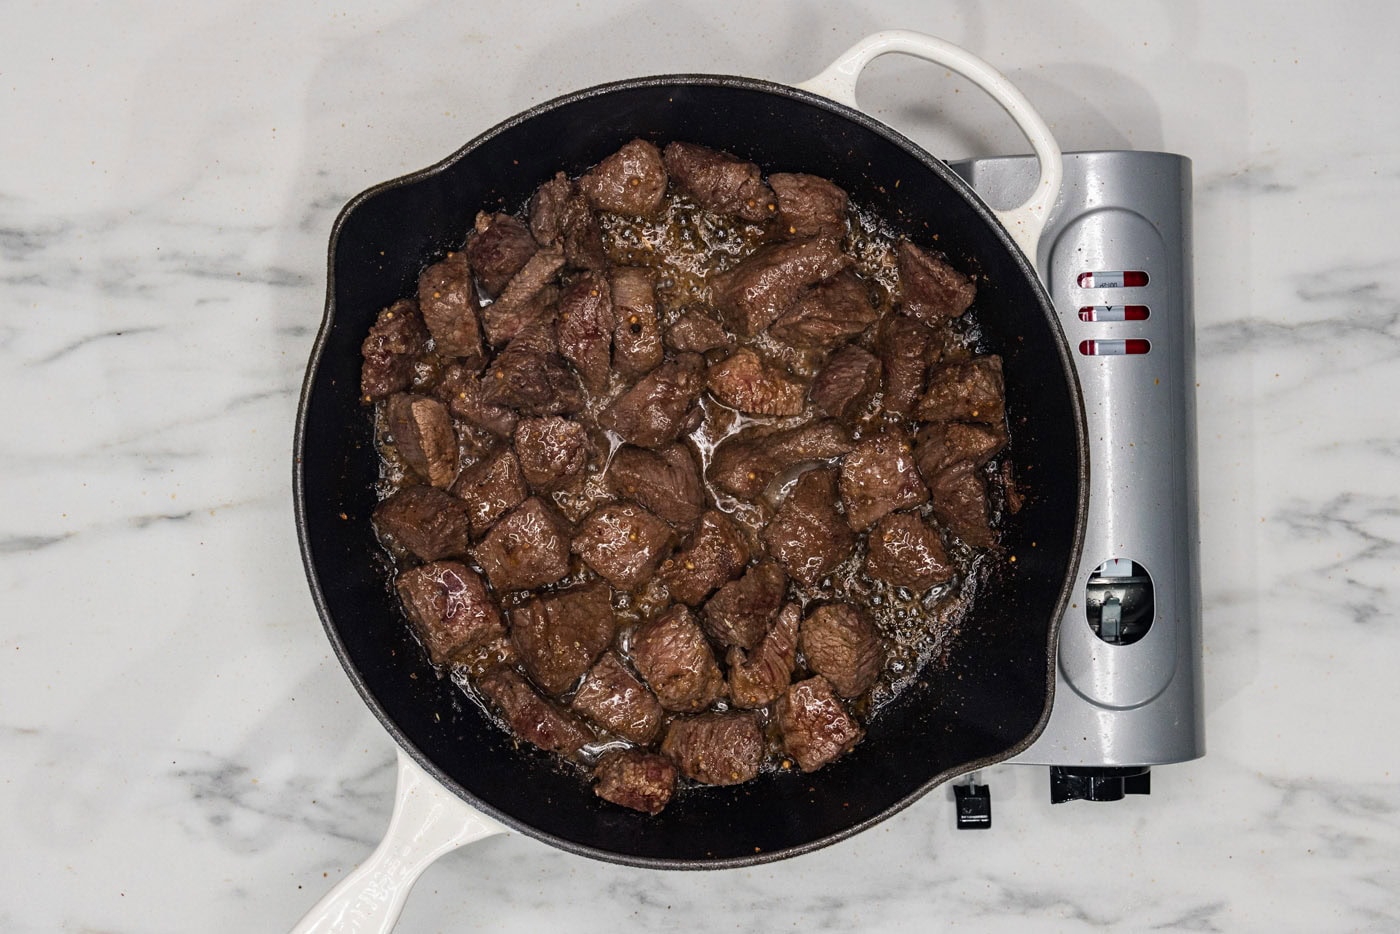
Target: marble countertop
{"points": [[183, 752]]}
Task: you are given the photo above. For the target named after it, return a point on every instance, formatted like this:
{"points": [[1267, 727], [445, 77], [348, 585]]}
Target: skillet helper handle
{"points": [[429, 821], [1024, 222]]}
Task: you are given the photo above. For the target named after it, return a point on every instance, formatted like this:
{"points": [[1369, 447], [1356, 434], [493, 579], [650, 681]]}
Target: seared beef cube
{"points": [[808, 536], [461, 391], [815, 724], [552, 451], [559, 213], [426, 521], [612, 697], [697, 332], [966, 392], [844, 387], [528, 298], [532, 381], [490, 488], [719, 182], [449, 608], [714, 555], [498, 249], [809, 206], [754, 293], [422, 433], [634, 779], [547, 209], [652, 413], [960, 504], [905, 551], [903, 347], [745, 381], [746, 463], [827, 315], [531, 717], [558, 636], [630, 181], [739, 612], [624, 543], [395, 339], [880, 476], [759, 677], [672, 655], [716, 748], [636, 332], [943, 444], [528, 548], [930, 287], [447, 299], [667, 482], [840, 642], [585, 328]]}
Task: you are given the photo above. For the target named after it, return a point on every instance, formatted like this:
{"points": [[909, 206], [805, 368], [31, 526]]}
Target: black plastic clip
{"points": [[974, 803]]}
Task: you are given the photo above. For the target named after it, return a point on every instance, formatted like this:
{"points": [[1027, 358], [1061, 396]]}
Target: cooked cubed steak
{"points": [[809, 206], [634, 779], [666, 481], [673, 656], [532, 381], [637, 344], [880, 476], [630, 181], [716, 553], [740, 611], [846, 384], [449, 608], [552, 451], [715, 748], [529, 297], [759, 677], [422, 433], [461, 391], [827, 315], [754, 386], [719, 182], [960, 504], [808, 536], [903, 345], [528, 548], [942, 444], [395, 339], [930, 287], [966, 392], [905, 551], [840, 642], [490, 488], [547, 209], [426, 521], [697, 332], [585, 328], [560, 213], [624, 543], [559, 635], [531, 717], [497, 249], [652, 413], [816, 726], [615, 699], [447, 300], [746, 463], [754, 293]]}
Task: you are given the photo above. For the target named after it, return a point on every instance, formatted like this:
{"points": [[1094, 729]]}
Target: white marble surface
{"points": [[182, 752]]}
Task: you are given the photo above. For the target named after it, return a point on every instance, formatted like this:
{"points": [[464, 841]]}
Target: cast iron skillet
{"points": [[989, 705]]}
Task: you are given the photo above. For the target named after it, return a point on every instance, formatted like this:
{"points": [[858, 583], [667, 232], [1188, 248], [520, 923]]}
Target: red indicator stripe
{"points": [[1133, 345], [1112, 279], [1114, 313]]}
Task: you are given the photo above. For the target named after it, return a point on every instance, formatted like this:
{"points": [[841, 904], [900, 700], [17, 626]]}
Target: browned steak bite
{"points": [[557, 636], [395, 339], [634, 779], [422, 433], [903, 346], [840, 642], [745, 381], [880, 476], [827, 315], [815, 724], [943, 444], [529, 297], [719, 182], [637, 332], [809, 206], [426, 521], [528, 548], [746, 463], [630, 181], [759, 677], [715, 554], [905, 551], [558, 212], [846, 384], [531, 717], [552, 451], [490, 488], [808, 536], [447, 299], [652, 413], [497, 249], [672, 655], [697, 332], [612, 697], [960, 504], [624, 543], [716, 748], [532, 380], [449, 608], [739, 612], [930, 286], [966, 392], [667, 482], [585, 328], [461, 391], [546, 209], [754, 293]]}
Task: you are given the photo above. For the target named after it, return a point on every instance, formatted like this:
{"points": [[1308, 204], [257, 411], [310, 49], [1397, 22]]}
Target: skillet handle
{"points": [[428, 822], [1024, 222]]}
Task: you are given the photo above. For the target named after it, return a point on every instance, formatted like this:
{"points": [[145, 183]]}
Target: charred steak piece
{"points": [[461, 391], [931, 288], [903, 346], [808, 536], [637, 332], [490, 488], [634, 779], [552, 451], [966, 392], [585, 328], [615, 699], [809, 206], [696, 331], [652, 413], [528, 297], [426, 521], [845, 387], [532, 380], [559, 213], [497, 249], [739, 612], [719, 182], [754, 293], [716, 748], [623, 543], [840, 643], [905, 551], [672, 655], [942, 444], [745, 381], [716, 553], [630, 181], [528, 548], [815, 725], [531, 717], [960, 504], [422, 433], [447, 300], [559, 635], [759, 677], [880, 476], [827, 315], [667, 482], [746, 463], [449, 608], [395, 340]]}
